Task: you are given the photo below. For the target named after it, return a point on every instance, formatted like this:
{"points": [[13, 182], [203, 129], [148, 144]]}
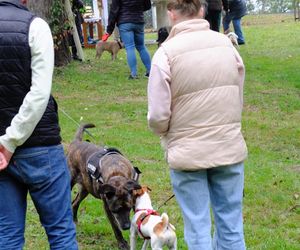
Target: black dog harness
{"points": [[94, 164]]}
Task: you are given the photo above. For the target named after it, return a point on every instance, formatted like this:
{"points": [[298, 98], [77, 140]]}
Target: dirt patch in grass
{"points": [[267, 19], [295, 168]]}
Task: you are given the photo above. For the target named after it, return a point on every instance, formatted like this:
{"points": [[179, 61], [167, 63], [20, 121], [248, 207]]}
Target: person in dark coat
{"points": [[77, 5], [214, 12], [128, 15], [234, 11]]}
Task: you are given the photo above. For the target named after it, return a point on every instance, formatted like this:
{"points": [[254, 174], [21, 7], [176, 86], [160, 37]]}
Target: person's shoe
{"points": [[147, 74], [241, 42], [76, 58], [131, 77]]}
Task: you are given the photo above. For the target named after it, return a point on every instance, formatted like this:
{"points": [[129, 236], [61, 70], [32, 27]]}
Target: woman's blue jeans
{"points": [[132, 35], [43, 172], [220, 187]]}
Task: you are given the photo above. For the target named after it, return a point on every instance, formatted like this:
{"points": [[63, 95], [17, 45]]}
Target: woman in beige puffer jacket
{"points": [[195, 99]]}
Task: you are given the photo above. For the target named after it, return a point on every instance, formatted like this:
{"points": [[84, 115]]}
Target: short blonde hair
{"points": [[187, 8]]}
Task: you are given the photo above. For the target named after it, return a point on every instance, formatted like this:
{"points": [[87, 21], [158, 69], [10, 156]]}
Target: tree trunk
{"points": [[43, 10], [40, 8]]}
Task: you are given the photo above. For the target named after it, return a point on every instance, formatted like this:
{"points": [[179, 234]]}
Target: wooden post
{"points": [[74, 29], [296, 4], [161, 13]]}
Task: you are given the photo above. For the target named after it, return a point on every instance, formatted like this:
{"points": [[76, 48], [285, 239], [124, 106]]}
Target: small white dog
{"points": [[148, 224], [233, 38]]}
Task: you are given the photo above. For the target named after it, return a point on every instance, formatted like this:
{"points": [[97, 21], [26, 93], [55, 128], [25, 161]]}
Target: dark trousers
{"points": [[214, 19], [79, 30]]}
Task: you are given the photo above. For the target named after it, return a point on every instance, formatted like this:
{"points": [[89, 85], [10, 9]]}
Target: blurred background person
{"points": [[214, 13], [234, 11], [77, 9]]}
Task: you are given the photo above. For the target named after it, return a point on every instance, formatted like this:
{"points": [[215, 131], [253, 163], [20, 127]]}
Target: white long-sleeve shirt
{"points": [[36, 100]]}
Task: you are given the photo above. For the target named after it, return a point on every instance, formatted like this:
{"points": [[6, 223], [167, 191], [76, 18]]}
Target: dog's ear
{"points": [[132, 185], [108, 190]]}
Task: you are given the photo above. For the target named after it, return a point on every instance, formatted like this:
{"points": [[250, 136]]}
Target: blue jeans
{"points": [[132, 35], [43, 172], [220, 187], [236, 25]]}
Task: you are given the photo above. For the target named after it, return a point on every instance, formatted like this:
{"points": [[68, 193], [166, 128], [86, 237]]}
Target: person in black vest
{"points": [[32, 158], [128, 15], [213, 13], [234, 11]]}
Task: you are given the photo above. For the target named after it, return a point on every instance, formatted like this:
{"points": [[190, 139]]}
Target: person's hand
{"points": [[5, 157], [105, 37]]}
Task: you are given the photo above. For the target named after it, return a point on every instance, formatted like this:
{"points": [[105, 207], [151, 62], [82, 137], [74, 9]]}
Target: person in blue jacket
{"points": [[234, 11]]}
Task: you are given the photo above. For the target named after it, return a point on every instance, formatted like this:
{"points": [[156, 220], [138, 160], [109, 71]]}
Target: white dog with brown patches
{"points": [[232, 37], [149, 225]]}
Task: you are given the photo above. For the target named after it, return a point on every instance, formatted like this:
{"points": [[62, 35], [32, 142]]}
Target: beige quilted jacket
{"points": [[195, 98]]}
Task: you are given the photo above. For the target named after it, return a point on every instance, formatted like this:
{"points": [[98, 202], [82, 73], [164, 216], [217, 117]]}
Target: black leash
{"points": [[119, 43], [166, 201], [65, 113]]}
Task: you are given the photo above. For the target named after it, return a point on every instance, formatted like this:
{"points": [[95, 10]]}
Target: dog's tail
{"points": [[81, 129], [165, 222]]}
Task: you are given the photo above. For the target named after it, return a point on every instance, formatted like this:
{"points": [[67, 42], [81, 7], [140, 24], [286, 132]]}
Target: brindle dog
{"points": [[115, 187]]}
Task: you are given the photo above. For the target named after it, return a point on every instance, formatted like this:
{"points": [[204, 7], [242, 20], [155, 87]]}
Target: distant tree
{"points": [[281, 6], [269, 6], [53, 12], [262, 5], [251, 8]]}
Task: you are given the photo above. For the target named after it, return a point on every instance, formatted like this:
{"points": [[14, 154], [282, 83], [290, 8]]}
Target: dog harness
{"points": [[143, 217], [94, 164]]}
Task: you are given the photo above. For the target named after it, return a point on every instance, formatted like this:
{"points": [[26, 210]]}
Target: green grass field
{"points": [[98, 91]]}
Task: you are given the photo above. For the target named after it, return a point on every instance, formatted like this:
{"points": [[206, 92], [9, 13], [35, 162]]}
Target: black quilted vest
{"points": [[15, 75]]}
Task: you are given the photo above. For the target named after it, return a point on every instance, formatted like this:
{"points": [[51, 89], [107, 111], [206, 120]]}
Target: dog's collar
{"points": [[144, 216], [94, 164], [149, 211]]}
